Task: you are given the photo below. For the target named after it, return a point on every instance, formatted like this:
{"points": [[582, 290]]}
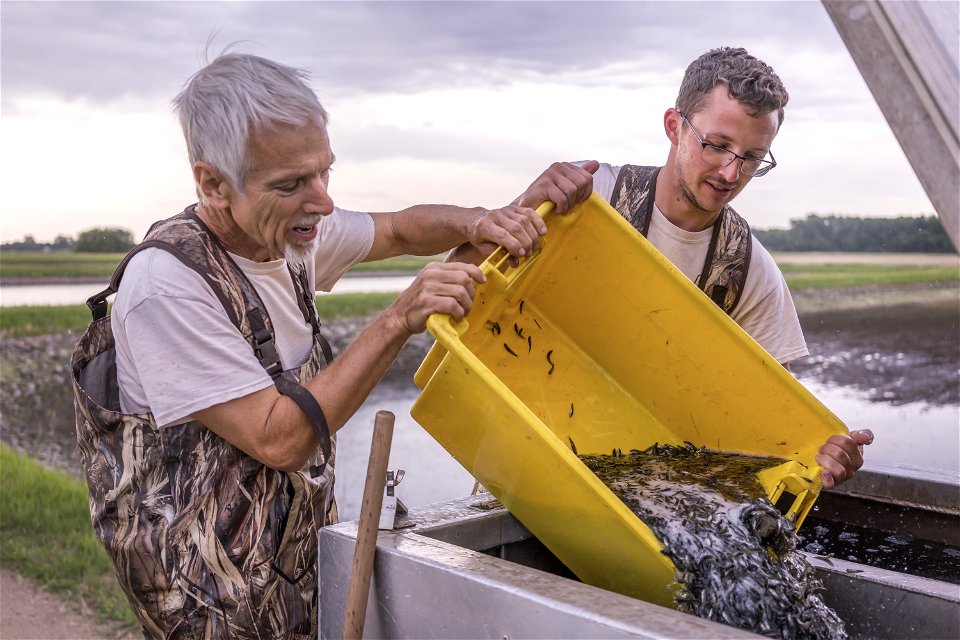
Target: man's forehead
{"points": [[278, 146]]}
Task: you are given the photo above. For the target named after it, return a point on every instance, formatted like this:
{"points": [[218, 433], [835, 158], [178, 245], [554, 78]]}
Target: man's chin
{"points": [[295, 253]]}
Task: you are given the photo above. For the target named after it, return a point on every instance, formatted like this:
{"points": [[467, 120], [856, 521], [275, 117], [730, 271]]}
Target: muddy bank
{"points": [[893, 354], [896, 346]]}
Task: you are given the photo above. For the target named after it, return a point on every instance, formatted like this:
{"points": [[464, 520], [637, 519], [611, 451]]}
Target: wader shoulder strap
{"points": [[305, 298], [634, 194], [728, 255], [725, 269]]}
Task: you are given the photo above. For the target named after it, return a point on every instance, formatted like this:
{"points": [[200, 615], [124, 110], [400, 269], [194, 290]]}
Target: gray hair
{"points": [[748, 80], [232, 98]]}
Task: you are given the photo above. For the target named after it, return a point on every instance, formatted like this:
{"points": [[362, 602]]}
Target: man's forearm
{"points": [[424, 229]]}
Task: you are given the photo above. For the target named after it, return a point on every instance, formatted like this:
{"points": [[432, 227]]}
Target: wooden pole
{"points": [[362, 570]]}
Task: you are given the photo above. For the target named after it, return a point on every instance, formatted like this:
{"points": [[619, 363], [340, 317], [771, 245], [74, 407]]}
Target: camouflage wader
{"points": [[207, 542], [728, 256]]}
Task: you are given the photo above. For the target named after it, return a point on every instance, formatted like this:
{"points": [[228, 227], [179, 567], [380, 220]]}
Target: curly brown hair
{"points": [[749, 81]]}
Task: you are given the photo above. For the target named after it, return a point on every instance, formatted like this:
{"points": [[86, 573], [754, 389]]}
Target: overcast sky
{"points": [[461, 102]]}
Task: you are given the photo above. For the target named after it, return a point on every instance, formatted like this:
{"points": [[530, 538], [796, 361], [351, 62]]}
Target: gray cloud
{"points": [[108, 51]]}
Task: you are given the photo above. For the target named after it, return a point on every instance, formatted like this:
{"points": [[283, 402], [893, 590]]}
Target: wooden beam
{"points": [[907, 52]]}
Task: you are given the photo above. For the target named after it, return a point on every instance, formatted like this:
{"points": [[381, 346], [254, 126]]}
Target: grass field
{"points": [[837, 276], [18, 322], [48, 538], [26, 264]]}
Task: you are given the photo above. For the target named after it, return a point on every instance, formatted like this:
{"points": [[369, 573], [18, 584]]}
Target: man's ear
{"points": [[214, 187], [671, 125]]}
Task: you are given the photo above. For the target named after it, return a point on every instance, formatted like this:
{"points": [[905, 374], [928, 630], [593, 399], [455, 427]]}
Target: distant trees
{"points": [[840, 233], [29, 243], [104, 240], [96, 240]]}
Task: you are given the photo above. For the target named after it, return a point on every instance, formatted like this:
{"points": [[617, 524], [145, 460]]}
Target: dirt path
{"points": [[29, 612]]}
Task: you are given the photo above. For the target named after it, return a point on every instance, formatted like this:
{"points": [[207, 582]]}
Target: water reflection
{"points": [[915, 434], [432, 473]]}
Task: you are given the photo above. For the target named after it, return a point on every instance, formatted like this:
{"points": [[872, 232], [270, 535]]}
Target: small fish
{"points": [[494, 327], [521, 307], [509, 350], [571, 409], [537, 323], [550, 353], [529, 344], [573, 447], [825, 559], [518, 330]]}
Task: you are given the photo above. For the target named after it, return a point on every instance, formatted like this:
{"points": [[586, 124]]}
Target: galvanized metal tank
{"points": [[468, 569]]}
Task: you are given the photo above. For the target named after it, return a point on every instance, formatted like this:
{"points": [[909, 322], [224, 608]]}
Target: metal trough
{"points": [[468, 569]]}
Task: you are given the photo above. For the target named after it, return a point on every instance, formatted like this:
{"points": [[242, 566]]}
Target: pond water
{"points": [[57, 294]]}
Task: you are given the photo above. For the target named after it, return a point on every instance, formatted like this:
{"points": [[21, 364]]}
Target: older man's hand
{"points": [[517, 229], [440, 287], [562, 183], [842, 456]]}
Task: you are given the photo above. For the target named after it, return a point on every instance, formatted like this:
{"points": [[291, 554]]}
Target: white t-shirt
{"points": [[765, 311], [177, 350]]}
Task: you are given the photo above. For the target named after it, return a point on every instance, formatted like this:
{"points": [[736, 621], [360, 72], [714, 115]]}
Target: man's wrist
{"points": [[474, 218]]}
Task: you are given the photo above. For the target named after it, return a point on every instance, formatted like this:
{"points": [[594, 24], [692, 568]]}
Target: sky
{"points": [[455, 102]]}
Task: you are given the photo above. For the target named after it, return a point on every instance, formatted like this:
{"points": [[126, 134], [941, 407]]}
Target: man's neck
{"points": [[222, 225]]}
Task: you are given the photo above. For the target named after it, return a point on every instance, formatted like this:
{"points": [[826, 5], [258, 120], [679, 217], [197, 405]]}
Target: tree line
{"points": [[96, 240], [905, 234]]}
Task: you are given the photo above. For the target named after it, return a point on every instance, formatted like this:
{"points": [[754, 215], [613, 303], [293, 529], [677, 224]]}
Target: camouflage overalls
{"points": [[207, 542], [728, 256]]}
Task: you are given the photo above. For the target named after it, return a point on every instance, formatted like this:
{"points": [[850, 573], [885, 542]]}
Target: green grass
{"points": [[48, 538], [18, 322], [348, 305], [30, 264], [837, 276], [398, 263]]}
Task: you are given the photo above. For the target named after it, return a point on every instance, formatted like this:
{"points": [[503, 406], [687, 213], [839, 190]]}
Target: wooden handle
{"points": [[362, 570]]}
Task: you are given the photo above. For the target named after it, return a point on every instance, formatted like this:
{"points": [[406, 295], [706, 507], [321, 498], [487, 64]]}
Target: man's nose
{"points": [[318, 198], [731, 172]]}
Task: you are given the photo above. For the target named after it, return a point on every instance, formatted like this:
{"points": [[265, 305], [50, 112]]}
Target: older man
{"points": [[210, 453], [727, 114]]}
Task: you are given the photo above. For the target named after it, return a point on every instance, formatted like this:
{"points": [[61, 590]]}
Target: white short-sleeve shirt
{"points": [[177, 350]]}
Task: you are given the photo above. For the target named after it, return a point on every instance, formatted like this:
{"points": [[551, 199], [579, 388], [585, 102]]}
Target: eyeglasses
{"points": [[720, 157]]}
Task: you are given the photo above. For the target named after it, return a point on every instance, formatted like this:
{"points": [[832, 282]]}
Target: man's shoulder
{"points": [[764, 271], [155, 272]]}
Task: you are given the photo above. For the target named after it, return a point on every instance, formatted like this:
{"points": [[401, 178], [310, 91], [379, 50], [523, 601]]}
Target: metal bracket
{"points": [[391, 504]]}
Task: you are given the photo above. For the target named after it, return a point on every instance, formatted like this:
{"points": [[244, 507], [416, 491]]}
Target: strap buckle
{"points": [[267, 354]]}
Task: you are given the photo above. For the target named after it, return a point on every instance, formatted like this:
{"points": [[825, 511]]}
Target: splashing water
{"points": [[734, 553]]}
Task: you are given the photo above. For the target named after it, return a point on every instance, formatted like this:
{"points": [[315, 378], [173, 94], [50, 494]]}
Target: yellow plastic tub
{"points": [[598, 342]]}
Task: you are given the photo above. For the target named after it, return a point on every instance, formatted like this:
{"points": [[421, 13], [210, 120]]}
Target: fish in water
{"points": [[734, 553]]}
